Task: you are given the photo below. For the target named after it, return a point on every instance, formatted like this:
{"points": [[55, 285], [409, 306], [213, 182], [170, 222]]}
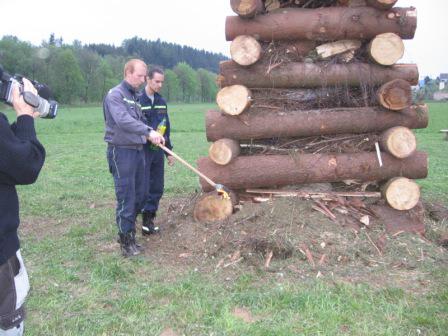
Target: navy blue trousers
{"points": [[127, 166], [154, 178]]}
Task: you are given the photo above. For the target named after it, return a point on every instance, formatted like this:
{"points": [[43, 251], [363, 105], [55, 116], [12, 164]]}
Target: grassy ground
{"points": [[431, 141], [81, 286]]}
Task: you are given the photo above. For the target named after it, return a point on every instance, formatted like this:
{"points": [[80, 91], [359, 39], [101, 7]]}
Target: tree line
{"points": [[78, 73]]}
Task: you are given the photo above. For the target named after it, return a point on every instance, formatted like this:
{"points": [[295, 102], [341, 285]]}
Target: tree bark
{"points": [[224, 151], [247, 8], [265, 124], [395, 95], [386, 49], [245, 50], [381, 4], [302, 75], [234, 99], [399, 142], [325, 24], [259, 171], [401, 193], [212, 207]]}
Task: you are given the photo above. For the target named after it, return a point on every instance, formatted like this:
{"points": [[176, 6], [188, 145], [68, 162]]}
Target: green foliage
{"points": [[167, 54], [90, 64], [16, 56], [188, 82], [171, 87], [207, 85], [78, 73], [67, 79]]}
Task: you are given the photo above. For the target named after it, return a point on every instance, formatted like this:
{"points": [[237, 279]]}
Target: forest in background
{"points": [[80, 74]]}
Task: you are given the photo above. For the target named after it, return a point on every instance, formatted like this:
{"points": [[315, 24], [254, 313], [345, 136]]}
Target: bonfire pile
{"points": [[313, 94]]}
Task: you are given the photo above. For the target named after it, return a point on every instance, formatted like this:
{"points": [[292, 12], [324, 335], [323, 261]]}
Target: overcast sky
{"points": [[196, 23]]}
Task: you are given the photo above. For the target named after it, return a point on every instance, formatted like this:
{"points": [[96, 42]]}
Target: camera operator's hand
{"points": [[156, 138], [19, 104]]}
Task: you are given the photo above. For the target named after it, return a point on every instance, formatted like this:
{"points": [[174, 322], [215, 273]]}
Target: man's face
{"points": [[137, 78], [155, 83]]}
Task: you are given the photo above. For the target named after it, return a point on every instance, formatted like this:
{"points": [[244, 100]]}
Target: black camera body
{"points": [[46, 107]]}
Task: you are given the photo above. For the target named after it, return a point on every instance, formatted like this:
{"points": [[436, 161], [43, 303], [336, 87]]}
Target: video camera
{"points": [[41, 102]]}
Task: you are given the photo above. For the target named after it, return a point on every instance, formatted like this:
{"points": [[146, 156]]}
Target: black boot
{"points": [[148, 227], [139, 247], [127, 244]]}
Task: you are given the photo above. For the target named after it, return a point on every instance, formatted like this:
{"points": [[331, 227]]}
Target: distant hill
{"points": [[162, 53]]}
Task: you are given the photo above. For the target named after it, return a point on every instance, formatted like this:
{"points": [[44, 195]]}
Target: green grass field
{"points": [[81, 285]]}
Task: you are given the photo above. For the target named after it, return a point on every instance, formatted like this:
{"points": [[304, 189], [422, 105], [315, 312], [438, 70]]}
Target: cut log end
{"points": [[246, 8], [381, 4], [399, 141], [224, 151], [386, 49], [212, 207], [245, 50], [234, 99], [395, 95], [401, 193]]}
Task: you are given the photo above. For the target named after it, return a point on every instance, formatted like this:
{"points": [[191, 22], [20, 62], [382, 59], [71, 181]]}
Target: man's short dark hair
{"points": [[153, 70]]}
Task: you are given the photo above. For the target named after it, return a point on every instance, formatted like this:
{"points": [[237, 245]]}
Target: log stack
{"points": [[313, 93]]}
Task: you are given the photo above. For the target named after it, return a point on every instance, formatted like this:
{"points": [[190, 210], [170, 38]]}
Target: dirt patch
{"points": [[168, 332], [289, 238], [436, 211], [244, 314], [38, 228]]}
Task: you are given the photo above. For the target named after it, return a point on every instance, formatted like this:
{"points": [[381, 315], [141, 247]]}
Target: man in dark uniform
{"points": [[155, 110], [126, 134]]}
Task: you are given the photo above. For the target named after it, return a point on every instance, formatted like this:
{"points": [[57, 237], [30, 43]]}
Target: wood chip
{"points": [[268, 259]]}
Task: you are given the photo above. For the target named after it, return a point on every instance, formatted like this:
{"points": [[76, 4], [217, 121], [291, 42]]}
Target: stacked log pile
{"points": [[313, 93]]}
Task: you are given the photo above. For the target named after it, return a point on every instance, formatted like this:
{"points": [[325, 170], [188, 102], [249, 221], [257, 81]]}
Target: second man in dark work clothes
{"points": [[155, 110]]}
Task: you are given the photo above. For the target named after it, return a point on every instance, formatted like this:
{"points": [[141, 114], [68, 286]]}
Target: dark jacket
{"points": [[21, 158], [123, 116], [155, 112]]}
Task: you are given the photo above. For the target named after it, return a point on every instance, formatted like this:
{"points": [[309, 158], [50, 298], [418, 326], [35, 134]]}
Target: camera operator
{"points": [[21, 158]]}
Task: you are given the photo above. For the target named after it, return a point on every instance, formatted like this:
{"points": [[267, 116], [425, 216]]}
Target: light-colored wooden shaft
{"points": [[170, 152]]}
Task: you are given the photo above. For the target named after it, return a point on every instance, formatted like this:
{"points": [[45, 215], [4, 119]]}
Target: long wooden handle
{"points": [[170, 152]]}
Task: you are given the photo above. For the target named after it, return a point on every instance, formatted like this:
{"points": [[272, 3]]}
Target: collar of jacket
{"points": [[144, 98], [129, 87]]}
